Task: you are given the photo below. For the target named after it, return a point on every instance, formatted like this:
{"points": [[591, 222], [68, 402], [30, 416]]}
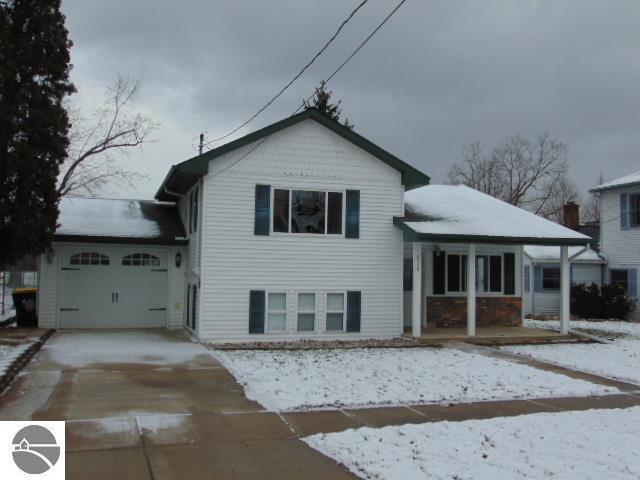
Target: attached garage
{"points": [[123, 270]]}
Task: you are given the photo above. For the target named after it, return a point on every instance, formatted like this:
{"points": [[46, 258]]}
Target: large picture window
{"points": [[488, 273], [307, 211]]}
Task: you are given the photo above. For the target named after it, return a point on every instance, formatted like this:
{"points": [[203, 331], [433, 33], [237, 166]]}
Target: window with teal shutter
{"points": [[353, 311], [537, 278], [527, 278], [352, 229], [262, 210], [624, 211]]}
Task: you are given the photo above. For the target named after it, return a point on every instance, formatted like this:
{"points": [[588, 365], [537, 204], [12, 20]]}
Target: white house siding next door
{"points": [[123, 287]]}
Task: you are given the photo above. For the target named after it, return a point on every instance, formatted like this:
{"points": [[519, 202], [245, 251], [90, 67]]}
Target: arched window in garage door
{"points": [[89, 258], [141, 260]]}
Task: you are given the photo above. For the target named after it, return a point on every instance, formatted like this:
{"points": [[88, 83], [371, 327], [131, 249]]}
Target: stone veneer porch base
{"points": [[490, 311]]}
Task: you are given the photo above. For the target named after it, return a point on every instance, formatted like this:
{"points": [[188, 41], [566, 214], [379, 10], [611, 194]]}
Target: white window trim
{"points": [[315, 311], [326, 191], [268, 311], [343, 311]]}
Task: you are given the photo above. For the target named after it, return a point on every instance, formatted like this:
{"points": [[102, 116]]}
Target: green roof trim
{"points": [[410, 235], [183, 176]]}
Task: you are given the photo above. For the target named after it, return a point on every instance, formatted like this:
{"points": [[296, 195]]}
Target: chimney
{"points": [[571, 215]]}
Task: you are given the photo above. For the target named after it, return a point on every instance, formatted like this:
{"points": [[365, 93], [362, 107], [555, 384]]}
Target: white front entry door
{"points": [[112, 287]]}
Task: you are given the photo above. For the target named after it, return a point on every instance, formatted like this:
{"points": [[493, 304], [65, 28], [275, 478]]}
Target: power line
{"points": [[282, 90], [355, 52]]}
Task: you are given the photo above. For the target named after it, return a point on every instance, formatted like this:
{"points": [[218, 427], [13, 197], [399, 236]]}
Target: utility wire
{"points": [[282, 90], [355, 52]]}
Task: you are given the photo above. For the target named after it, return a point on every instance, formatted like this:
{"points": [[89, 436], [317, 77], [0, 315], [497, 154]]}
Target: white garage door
{"points": [[113, 287]]}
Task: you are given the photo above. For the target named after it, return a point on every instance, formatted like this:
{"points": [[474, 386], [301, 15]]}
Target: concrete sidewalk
{"points": [[143, 418]]}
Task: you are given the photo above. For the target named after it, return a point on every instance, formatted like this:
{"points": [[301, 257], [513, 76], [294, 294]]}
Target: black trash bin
{"points": [[24, 300]]}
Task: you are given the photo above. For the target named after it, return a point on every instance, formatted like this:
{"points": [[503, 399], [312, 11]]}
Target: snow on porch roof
{"points": [[459, 213], [576, 254], [119, 221]]}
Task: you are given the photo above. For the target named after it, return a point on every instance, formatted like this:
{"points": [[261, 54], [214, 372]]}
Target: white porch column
{"points": [[565, 288], [471, 290], [416, 311]]}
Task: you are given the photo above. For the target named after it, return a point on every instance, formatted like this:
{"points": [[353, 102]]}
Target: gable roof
{"points": [[183, 176], [627, 181], [458, 213], [105, 220]]}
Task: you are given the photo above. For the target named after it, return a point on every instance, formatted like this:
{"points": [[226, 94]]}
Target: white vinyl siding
{"points": [[235, 261], [620, 247]]}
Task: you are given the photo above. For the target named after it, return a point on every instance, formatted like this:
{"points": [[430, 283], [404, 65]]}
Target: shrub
{"points": [[608, 301]]}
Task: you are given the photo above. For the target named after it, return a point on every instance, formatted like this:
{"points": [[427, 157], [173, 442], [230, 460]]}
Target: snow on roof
{"points": [[632, 179], [457, 210], [98, 217], [544, 252]]}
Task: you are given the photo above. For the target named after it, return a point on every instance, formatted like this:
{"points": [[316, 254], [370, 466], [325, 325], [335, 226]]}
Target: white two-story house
{"points": [[298, 230], [620, 232]]}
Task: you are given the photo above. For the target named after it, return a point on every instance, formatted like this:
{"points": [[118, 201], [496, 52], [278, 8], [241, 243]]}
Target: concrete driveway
{"points": [[152, 404]]}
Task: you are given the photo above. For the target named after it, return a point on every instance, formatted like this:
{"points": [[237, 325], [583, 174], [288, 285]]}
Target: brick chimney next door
{"points": [[571, 215]]}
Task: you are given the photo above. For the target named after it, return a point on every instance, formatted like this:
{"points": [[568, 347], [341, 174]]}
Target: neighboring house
{"points": [[542, 275], [297, 230], [620, 232]]}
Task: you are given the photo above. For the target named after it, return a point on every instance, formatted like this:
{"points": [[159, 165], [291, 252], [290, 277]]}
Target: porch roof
{"points": [[456, 213]]}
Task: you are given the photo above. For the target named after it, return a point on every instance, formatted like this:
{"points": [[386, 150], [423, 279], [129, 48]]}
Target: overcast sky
{"points": [[437, 76]]}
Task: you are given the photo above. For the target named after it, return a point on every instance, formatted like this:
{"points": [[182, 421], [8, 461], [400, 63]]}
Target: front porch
{"points": [[463, 263]]}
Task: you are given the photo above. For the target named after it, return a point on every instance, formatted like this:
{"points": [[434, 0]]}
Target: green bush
{"points": [[608, 301]]}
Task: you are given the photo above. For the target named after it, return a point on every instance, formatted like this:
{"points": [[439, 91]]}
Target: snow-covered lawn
{"points": [[620, 359], [596, 327], [296, 380], [591, 444]]}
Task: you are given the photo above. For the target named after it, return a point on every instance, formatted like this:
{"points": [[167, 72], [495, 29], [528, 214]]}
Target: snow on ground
{"points": [[4, 350], [606, 327], [8, 353], [591, 444], [293, 380], [619, 360], [79, 349]]}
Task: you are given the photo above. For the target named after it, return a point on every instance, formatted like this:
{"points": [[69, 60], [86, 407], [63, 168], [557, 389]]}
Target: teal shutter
{"points": [[527, 278], [537, 278], [624, 211], [632, 275], [509, 273], [439, 265], [262, 210], [257, 301], [353, 311], [352, 210]]}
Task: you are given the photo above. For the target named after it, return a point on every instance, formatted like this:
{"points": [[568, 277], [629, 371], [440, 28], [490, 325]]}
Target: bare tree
{"points": [[96, 142], [591, 210], [531, 175]]}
